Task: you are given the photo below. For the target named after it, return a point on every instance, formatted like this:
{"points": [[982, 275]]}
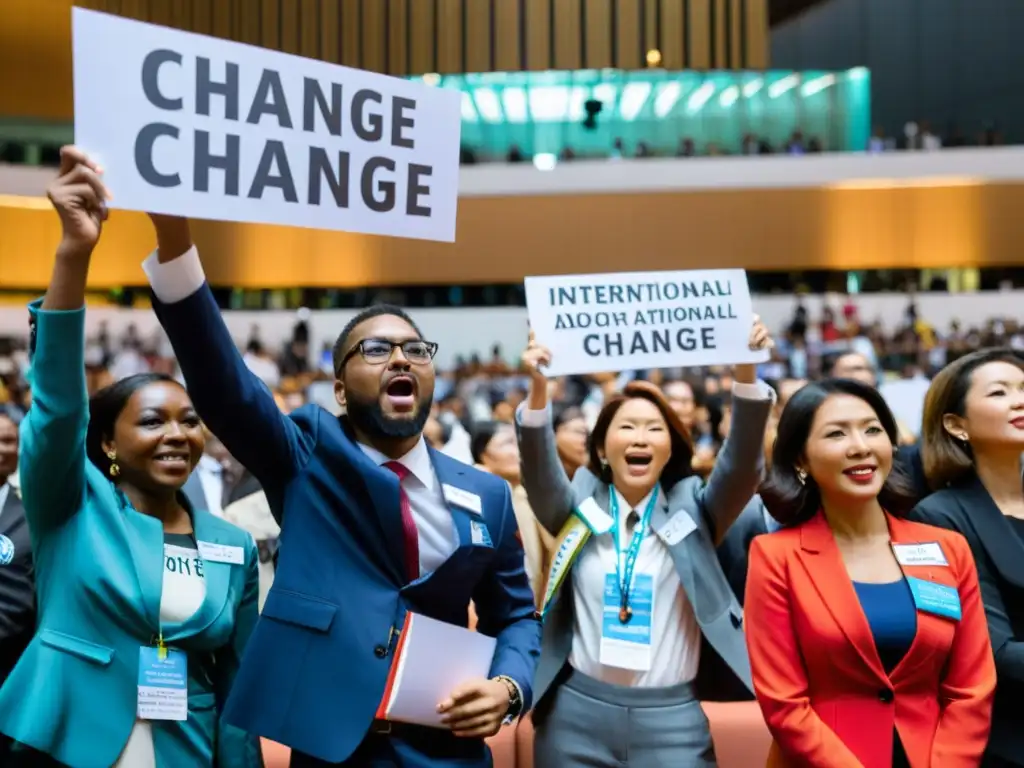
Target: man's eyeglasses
{"points": [[377, 351]]}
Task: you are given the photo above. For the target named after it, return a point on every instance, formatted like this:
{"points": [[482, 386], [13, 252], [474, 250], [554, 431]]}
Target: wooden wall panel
{"points": [[538, 35], [373, 35], [330, 30], [399, 40], [402, 36], [673, 34], [700, 36], [508, 36], [649, 26], [627, 35], [568, 35], [351, 39], [758, 35], [736, 11], [598, 33], [719, 22], [477, 36], [449, 37]]}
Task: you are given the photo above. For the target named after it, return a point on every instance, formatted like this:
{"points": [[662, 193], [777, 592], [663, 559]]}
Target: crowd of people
{"points": [[185, 571]]}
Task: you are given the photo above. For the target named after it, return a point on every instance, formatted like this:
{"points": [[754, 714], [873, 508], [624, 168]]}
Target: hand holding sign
{"points": [[760, 339], [80, 199], [534, 359]]}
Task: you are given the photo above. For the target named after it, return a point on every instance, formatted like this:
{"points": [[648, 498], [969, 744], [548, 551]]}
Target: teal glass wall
{"points": [[545, 112]]}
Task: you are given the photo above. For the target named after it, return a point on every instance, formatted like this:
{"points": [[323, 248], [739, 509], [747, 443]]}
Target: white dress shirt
{"points": [[211, 478], [434, 524], [675, 633]]}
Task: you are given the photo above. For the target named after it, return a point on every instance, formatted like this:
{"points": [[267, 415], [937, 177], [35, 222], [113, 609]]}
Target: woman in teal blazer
{"points": [[145, 604]]}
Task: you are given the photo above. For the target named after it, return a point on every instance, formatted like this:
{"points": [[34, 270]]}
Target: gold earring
{"points": [[801, 476], [114, 469]]}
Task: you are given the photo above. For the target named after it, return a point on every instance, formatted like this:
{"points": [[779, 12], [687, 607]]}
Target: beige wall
{"points": [[502, 239]]}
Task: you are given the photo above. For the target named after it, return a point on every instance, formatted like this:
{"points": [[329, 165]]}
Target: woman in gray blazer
{"points": [[635, 583]]}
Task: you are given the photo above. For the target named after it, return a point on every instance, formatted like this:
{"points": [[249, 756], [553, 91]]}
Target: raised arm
{"points": [[52, 455], [543, 476], [235, 404], [739, 468]]}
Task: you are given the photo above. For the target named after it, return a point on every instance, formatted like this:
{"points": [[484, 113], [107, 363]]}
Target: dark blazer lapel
{"points": [[385, 510], [12, 516], [823, 564], [994, 531]]}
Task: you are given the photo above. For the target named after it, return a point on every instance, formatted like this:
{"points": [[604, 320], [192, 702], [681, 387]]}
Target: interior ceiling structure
{"points": [[783, 10]]}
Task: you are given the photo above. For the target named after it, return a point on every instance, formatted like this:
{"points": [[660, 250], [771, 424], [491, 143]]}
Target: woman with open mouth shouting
{"points": [[635, 583], [867, 633], [145, 604]]}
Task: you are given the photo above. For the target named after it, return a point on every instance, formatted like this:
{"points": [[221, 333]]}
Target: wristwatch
{"points": [[515, 699]]}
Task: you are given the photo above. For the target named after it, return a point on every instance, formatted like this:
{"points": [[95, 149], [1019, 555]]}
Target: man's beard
{"points": [[370, 419]]}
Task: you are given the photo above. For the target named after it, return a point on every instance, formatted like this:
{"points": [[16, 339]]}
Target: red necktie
{"points": [[412, 540]]}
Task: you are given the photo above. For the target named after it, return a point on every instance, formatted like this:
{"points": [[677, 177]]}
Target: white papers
{"points": [[434, 659], [189, 125], [639, 320]]}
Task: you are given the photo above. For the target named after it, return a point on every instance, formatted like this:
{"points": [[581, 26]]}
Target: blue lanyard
{"points": [[624, 571]]}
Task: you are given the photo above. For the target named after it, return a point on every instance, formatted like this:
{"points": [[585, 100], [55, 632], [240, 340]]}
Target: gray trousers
{"points": [[591, 724]]}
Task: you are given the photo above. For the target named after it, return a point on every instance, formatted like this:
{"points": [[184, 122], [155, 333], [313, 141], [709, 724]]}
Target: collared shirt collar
{"points": [[417, 461], [625, 508]]}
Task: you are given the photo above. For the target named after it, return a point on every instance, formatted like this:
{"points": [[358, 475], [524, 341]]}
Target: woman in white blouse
{"points": [[635, 581]]}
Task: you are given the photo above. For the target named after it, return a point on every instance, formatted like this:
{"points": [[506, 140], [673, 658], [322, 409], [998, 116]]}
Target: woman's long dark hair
{"points": [[106, 405], [787, 499]]}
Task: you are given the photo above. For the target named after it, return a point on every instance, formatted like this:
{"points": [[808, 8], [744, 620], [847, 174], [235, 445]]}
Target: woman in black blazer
{"points": [[973, 437]]}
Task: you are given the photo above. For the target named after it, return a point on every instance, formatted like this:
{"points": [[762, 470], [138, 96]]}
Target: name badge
{"points": [[163, 685], [481, 537], [679, 526], [627, 645], [597, 520], [927, 553], [938, 599], [461, 498], [221, 553]]}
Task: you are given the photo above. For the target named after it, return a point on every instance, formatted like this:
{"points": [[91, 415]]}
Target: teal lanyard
{"points": [[625, 563]]}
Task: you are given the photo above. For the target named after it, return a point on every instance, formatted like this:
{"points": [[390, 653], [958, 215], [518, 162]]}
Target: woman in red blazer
{"points": [[867, 635]]}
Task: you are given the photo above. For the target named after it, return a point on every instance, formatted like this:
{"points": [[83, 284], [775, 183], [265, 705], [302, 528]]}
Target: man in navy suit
{"points": [[375, 524]]}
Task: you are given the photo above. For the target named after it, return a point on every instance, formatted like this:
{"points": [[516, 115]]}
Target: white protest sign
{"points": [[189, 125], [639, 320]]}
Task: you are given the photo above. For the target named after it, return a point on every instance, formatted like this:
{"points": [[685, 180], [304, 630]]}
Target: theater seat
{"points": [[504, 747], [275, 755], [741, 737], [524, 743]]}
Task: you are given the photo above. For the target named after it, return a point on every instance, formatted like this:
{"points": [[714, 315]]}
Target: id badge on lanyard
{"points": [[628, 600]]}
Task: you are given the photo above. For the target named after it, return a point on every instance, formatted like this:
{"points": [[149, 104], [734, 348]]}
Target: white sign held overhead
{"points": [[640, 320], [189, 125]]}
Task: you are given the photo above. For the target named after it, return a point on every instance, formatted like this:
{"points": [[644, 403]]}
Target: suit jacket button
{"points": [[380, 651], [885, 696]]}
